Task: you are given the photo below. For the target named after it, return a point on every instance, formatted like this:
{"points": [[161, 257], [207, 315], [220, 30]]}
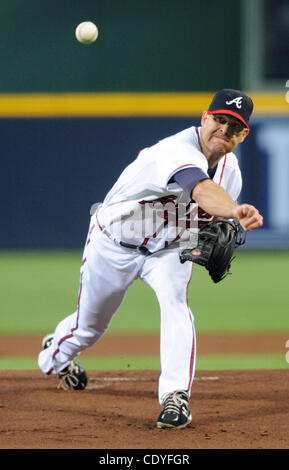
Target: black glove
{"points": [[216, 244]]}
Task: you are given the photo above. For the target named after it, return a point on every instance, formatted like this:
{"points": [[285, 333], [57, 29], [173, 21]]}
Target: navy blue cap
{"points": [[233, 102]]}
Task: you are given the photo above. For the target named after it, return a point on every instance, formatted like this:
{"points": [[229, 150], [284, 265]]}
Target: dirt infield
{"points": [[111, 345], [118, 409]]}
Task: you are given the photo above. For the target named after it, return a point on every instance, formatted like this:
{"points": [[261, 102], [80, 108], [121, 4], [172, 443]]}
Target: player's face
{"points": [[222, 133]]}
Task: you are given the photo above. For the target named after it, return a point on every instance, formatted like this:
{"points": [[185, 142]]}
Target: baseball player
{"points": [[194, 166]]}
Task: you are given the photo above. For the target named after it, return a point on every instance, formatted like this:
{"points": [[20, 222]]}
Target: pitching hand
{"points": [[248, 216]]}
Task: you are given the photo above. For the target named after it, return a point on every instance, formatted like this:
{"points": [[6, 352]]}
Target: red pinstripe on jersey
{"points": [[78, 302], [101, 227], [198, 134], [222, 173], [179, 167], [72, 329], [192, 361]]}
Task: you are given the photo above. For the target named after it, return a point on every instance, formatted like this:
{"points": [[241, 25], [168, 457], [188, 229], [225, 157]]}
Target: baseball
{"points": [[86, 32]]}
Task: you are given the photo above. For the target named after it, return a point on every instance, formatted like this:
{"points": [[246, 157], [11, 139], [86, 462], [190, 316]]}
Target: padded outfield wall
{"points": [[55, 168]]}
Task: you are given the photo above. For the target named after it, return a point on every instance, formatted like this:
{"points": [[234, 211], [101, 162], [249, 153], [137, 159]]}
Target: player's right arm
{"points": [[215, 200]]}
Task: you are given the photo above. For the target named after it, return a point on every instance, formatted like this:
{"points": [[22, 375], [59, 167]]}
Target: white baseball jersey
{"points": [[127, 210]]}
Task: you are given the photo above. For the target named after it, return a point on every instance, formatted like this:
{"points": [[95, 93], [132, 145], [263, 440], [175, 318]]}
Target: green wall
{"points": [[144, 45]]}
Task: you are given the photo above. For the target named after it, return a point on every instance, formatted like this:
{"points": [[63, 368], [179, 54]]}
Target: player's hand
{"points": [[249, 217]]}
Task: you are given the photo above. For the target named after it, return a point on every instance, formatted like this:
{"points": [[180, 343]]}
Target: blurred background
{"points": [[72, 116]]}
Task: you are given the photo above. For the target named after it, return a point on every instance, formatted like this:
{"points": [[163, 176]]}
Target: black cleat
{"points": [[73, 376], [176, 413]]}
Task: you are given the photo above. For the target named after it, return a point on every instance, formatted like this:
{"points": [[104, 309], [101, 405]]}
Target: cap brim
{"points": [[232, 113]]}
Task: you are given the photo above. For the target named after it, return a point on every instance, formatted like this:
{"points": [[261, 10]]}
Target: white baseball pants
{"points": [[106, 273]]}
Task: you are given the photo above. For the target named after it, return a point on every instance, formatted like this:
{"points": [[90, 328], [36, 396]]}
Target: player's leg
{"points": [[106, 272], [169, 279]]}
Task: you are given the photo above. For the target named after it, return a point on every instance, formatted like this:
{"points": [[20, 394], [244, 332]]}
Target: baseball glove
{"points": [[216, 244]]}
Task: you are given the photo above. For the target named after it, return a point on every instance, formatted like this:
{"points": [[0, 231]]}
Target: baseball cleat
{"points": [[47, 341], [72, 376], [176, 413]]}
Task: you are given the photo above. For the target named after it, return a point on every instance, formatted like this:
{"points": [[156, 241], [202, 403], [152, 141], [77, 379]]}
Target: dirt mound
{"points": [[118, 410]]}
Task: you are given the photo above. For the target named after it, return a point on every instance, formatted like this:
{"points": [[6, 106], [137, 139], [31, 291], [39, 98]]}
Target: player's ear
{"points": [[244, 134], [204, 117]]}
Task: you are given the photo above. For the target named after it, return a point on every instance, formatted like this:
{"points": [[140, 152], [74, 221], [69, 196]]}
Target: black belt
{"points": [[142, 249]]}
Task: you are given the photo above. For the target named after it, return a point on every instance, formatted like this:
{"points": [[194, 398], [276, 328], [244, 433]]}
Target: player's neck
{"points": [[214, 159]]}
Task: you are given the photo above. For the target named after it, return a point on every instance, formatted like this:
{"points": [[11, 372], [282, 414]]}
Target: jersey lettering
{"points": [[163, 200], [203, 214]]}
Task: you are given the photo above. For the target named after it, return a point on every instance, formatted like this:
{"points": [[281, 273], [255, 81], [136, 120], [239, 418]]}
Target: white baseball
{"points": [[86, 32]]}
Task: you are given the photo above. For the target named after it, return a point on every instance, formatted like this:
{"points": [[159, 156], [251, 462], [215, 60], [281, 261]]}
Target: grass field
{"points": [[216, 362], [38, 289]]}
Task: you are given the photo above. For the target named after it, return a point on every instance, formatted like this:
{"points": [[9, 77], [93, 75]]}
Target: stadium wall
{"points": [[73, 116], [61, 154], [163, 45]]}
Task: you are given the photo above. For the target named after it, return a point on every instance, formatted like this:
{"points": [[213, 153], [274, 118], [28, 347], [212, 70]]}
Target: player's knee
{"points": [[173, 296], [88, 336]]}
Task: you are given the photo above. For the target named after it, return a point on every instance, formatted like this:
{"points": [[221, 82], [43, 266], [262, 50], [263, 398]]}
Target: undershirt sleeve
{"points": [[188, 178]]}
